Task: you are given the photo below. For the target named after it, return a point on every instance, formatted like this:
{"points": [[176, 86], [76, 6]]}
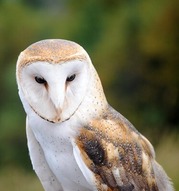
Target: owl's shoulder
{"points": [[118, 155], [114, 128]]}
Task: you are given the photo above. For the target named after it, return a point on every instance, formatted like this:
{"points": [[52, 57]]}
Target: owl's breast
{"points": [[55, 140]]}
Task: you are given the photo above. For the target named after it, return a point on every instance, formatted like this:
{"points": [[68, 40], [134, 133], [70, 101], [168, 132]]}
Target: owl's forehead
{"points": [[53, 51]]}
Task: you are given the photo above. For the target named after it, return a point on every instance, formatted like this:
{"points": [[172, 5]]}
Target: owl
{"points": [[76, 140]]}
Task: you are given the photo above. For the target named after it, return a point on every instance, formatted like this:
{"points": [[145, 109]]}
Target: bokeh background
{"points": [[134, 46]]}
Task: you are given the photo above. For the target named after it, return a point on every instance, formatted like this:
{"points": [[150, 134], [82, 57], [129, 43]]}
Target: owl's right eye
{"points": [[40, 80]]}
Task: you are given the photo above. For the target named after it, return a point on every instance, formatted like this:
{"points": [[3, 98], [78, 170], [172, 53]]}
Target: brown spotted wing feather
{"points": [[118, 156]]}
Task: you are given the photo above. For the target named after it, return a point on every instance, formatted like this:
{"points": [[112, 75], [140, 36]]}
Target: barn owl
{"points": [[76, 140]]}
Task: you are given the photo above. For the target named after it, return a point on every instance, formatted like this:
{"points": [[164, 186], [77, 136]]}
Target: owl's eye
{"points": [[71, 78], [40, 80]]}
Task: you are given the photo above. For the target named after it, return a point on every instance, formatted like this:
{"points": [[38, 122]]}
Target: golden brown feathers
{"points": [[53, 51], [118, 155]]}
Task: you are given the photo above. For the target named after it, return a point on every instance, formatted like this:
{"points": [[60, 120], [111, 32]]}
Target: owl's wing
{"points": [[115, 157], [102, 176], [46, 176]]}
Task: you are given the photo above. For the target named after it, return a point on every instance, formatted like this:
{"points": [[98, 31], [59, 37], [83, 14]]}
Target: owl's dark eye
{"points": [[40, 80], [71, 78]]}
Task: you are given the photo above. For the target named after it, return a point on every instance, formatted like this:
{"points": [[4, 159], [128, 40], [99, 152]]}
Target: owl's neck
{"points": [[94, 103]]}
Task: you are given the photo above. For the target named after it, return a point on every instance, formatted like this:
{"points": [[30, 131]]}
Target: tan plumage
{"points": [[76, 140], [57, 52], [118, 155]]}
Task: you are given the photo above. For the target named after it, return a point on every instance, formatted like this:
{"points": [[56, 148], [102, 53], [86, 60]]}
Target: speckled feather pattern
{"points": [[55, 51], [112, 144], [94, 148]]}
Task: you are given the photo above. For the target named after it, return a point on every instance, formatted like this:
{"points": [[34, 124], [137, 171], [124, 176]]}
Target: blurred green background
{"points": [[134, 46]]}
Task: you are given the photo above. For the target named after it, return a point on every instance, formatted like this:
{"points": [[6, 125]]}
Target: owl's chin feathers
{"points": [[57, 118]]}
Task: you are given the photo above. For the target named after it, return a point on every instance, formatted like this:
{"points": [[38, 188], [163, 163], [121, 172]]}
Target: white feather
{"points": [[85, 170], [39, 163]]}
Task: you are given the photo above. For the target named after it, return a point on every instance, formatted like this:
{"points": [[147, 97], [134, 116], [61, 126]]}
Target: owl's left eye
{"points": [[40, 80], [71, 78]]}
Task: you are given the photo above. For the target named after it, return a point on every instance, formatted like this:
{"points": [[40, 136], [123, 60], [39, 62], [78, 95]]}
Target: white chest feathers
{"points": [[55, 143]]}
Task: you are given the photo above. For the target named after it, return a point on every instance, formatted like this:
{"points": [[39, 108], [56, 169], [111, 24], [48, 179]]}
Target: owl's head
{"points": [[54, 78]]}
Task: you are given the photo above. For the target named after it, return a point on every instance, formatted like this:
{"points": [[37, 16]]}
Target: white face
{"points": [[55, 91]]}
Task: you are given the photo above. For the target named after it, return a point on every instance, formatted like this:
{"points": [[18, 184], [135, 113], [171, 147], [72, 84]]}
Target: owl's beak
{"points": [[57, 117], [57, 99], [58, 109]]}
